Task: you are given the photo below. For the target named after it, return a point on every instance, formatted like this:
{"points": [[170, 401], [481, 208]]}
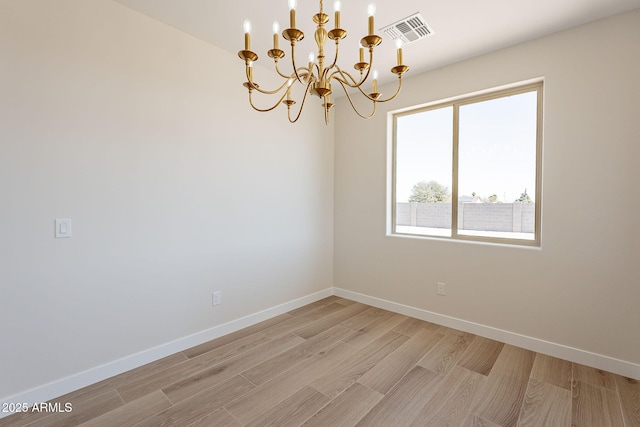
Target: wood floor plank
{"points": [[133, 412], [233, 336], [206, 364], [200, 405], [481, 355], [219, 418], [202, 380], [86, 410], [267, 395], [595, 406], [303, 320], [269, 368], [476, 421], [451, 404], [545, 405], [515, 362], [231, 349], [314, 305], [374, 330], [331, 320], [343, 375], [346, 409], [446, 353], [444, 330], [410, 326], [403, 404], [553, 371], [629, 392], [153, 368], [363, 319], [293, 411], [384, 375], [501, 398], [594, 376]]}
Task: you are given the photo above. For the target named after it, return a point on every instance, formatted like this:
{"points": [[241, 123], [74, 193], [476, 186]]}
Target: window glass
{"points": [[423, 178], [470, 169], [497, 167]]}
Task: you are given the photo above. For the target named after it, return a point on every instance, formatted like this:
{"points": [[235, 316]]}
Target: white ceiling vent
{"points": [[409, 30]]}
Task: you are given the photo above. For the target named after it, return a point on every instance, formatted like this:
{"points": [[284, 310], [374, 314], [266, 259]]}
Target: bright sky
{"points": [[497, 152]]}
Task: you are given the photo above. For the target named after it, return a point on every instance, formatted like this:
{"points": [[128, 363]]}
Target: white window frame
{"points": [[456, 103]]}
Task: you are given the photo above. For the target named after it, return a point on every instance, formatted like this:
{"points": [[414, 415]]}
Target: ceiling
{"points": [[461, 28]]}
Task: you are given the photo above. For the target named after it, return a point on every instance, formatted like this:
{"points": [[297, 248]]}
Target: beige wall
{"points": [[143, 136], [581, 288]]}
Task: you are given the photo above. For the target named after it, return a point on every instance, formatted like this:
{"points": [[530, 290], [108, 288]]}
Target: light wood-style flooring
{"points": [[341, 363]]}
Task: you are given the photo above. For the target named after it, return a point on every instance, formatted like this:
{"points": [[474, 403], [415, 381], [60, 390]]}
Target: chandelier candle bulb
{"points": [[372, 11], [336, 7], [247, 34], [289, 83], [375, 81], [399, 46], [361, 54], [276, 29], [311, 59], [292, 13]]}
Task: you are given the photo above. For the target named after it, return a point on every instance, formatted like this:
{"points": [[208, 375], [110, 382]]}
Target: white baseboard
{"points": [[82, 379], [599, 361]]}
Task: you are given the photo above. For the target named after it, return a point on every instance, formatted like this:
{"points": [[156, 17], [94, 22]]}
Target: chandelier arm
{"points": [[268, 109], [366, 95], [363, 78], [270, 92], [280, 73], [350, 77], [375, 100], [394, 95], [335, 57], [249, 74], [266, 92], [304, 99], [293, 62], [344, 77], [353, 105], [370, 64]]}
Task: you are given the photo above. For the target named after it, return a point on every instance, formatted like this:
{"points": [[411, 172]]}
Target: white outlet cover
{"points": [[217, 298]]}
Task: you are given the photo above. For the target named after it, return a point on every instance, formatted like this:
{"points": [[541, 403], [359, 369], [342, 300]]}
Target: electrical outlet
{"points": [[440, 288], [216, 298]]}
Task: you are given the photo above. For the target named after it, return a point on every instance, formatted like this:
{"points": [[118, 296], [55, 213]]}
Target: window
{"points": [[470, 168]]}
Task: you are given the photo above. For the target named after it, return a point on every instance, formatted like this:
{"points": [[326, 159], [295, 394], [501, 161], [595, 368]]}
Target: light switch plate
{"points": [[63, 228]]}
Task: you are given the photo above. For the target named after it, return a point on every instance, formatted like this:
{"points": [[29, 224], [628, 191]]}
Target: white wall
{"points": [[143, 136], [581, 288]]}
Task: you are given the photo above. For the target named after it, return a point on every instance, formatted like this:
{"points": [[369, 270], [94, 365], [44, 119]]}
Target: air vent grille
{"points": [[409, 30]]}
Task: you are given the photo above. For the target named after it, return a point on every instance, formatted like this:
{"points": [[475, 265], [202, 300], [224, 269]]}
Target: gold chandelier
{"points": [[316, 76]]}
